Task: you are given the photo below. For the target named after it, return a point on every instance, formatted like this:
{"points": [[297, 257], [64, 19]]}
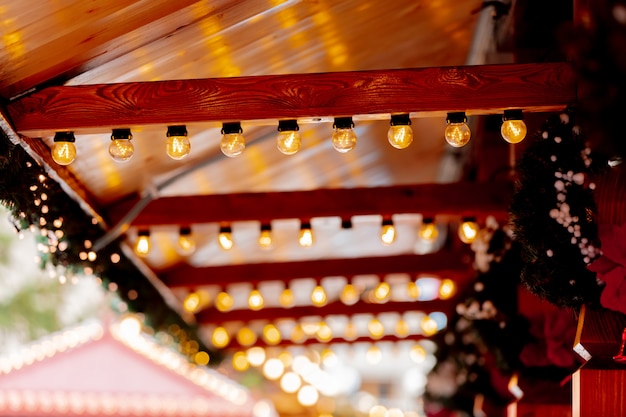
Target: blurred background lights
{"points": [[273, 369], [240, 361], [290, 382], [256, 356], [378, 411], [447, 289], [417, 354], [307, 396]]}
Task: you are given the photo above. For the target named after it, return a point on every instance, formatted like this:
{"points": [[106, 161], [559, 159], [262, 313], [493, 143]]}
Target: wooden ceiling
{"points": [[91, 66]]}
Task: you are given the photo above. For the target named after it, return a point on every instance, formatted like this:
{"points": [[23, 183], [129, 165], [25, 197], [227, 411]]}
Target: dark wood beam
{"points": [[458, 199], [337, 308], [445, 263], [484, 89], [234, 345]]}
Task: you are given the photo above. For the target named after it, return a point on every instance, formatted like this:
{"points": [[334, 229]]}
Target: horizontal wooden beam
{"points": [[234, 345], [484, 89], [458, 199], [445, 263], [337, 308]]}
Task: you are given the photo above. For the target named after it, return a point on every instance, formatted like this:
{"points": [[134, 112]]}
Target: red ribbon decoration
{"points": [[611, 266]]}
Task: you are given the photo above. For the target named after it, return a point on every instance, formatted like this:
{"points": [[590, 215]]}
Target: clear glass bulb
{"points": [[349, 295], [400, 136], [428, 232], [468, 230], [286, 298], [225, 240], [121, 150], [513, 131], [224, 301], [376, 328], [447, 288], [289, 141], [388, 234], [186, 244], [344, 140], [178, 147], [63, 153], [255, 300], [265, 239], [142, 247], [306, 238], [220, 337], [233, 144], [457, 134], [382, 292], [318, 296]]}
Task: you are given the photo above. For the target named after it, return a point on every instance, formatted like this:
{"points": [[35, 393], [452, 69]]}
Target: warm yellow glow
{"points": [[349, 295], [63, 153], [513, 131], [394, 412], [351, 332], [400, 136], [289, 141], [318, 296], [429, 326], [344, 140], [306, 237], [224, 301], [417, 354], [201, 358], [265, 239], [130, 327], [121, 150], [329, 358], [220, 337], [246, 337], [271, 334], [290, 382], [142, 246], [382, 292], [402, 328], [376, 328], [378, 411], [374, 355], [308, 396], [186, 244], [233, 144], [240, 362], [273, 369], [286, 298], [468, 230], [428, 231], [412, 290], [297, 334], [457, 134], [178, 147], [225, 240], [192, 302], [388, 234], [324, 333], [255, 300], [285, 357], [447, 288], [256, 356]]}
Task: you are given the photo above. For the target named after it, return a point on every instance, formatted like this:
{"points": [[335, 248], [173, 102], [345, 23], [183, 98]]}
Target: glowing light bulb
{"points": [[246, 337], [402, 328], [318, 296], [382, 292], [224, 301], [351, 332], [308, 396], [376, 328], [63, 149], [344, 138], [195, 301], [374, 355], [121, 149], [290, 382], [429, 326], [349, 295], [265, 238], [273, 369], [271, 334], [142, 246], [224, 238], [468, 230], [256, 356], [286, 298], [428, 230], [412, 290], [186, 243], [240, 362], [233, 143], [388, 232], [400, 134], [417, 354], [324, 333], [220, 337], [289, 139], [178, 146], [306, 235], [513, 128], [457, 132], [255, 300], [447, 288]]}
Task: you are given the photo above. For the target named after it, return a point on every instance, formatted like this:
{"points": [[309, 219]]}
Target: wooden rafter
{"points": [[485, 89], [445, 263], [458, 199]]}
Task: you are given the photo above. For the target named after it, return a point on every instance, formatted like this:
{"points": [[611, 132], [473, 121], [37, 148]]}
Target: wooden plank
{"points": [[599, 337], [485, 89], [444, 263], [337, 308], [599, 392], [458, 199]]}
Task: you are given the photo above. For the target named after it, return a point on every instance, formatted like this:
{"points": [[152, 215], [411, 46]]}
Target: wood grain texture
{"points": [[599, 393], [444, 263], [332, 309], [458, 199], [484, 89], [600, 334]]}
